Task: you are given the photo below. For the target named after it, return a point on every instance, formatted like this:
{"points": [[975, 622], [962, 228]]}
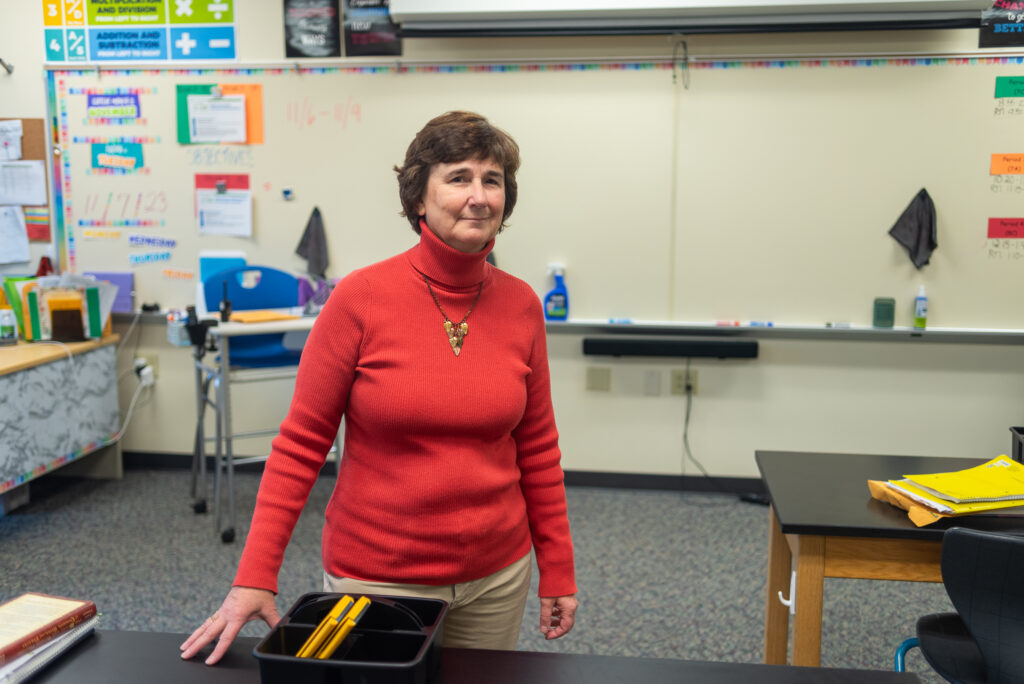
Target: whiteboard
{"points": [[752, 192]]}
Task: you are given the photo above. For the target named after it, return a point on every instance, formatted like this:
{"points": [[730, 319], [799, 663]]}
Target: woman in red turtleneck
{"points": [[450, 472]]}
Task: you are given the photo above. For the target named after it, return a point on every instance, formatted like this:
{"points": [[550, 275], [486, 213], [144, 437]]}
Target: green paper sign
{"points": [[184, 134], [125, 12], [1009, 86], [202, 11]]}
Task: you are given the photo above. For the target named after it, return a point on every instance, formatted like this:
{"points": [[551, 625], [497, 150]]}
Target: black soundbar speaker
{"points": [[722, 349]]}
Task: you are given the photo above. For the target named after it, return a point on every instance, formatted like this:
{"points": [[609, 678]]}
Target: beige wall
{"points": [[903, 398]]}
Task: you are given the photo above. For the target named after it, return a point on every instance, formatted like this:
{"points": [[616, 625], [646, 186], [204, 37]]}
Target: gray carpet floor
{"points": [[661, 574]]}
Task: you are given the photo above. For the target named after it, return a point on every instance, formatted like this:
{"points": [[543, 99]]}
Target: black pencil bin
{"points": [[397, 641], [1016, 443]]}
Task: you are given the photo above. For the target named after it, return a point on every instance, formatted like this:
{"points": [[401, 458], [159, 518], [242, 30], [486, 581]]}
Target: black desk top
{"points": [[827, 494], [150, 657]]}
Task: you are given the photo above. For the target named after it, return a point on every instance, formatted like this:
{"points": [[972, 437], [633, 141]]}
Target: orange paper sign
{"points": [[253, 108], [1007, 164]]}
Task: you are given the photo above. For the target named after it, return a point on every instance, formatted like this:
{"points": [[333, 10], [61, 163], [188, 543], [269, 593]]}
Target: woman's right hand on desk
{"points": [[242, 605]]}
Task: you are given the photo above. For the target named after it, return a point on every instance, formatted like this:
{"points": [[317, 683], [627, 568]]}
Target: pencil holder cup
{"points": [[397, 641], [883, 314], [1016, 444]]}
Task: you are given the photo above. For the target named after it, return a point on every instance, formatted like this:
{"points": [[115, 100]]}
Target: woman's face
{"points": [[463, 203]]}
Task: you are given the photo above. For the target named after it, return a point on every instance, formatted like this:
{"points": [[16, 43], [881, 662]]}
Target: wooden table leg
{"points": [[776, 615], [810, 586]]}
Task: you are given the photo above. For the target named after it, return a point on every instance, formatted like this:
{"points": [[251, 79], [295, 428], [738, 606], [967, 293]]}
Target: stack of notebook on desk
{"points": [[36, 628], [995, 485]]}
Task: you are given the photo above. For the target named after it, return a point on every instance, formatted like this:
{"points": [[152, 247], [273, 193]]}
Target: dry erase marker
{"points": [[837, 324], [729, 324], [326, 626], [760, 324], [347, 623]]}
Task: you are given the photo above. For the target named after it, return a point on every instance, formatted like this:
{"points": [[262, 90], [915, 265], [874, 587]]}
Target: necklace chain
{"points": [[456, 332]]}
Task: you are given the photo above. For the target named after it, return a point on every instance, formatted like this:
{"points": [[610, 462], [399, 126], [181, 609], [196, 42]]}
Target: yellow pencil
{"points": [[336, 639], [326, 626], [347, 623]]}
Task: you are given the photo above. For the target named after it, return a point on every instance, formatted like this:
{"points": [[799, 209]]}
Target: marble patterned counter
{"points": [[55, 408]]}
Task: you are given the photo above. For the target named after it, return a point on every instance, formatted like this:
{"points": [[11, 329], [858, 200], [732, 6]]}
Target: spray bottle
{"points": [[920, 309], [556, 302]]}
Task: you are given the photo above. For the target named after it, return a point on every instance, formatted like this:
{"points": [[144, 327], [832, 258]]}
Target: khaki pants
{"points": [[483, 613]]}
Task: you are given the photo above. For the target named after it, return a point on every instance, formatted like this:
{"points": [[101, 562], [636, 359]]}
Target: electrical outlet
{"points": [[679, 381], [142, 361], [599, 379], [652, 383]]}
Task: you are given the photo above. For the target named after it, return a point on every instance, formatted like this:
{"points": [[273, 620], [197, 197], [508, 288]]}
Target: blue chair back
{"points": [[255, 287], [252, 287]]}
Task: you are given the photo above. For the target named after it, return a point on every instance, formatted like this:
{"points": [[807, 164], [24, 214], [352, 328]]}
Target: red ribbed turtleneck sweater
{"points": [[451, 464]]}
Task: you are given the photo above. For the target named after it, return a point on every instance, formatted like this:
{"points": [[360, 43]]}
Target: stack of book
{"points": [[36, 628], [992, 486]]}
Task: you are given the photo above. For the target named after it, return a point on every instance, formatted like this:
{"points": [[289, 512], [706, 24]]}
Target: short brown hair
{"points": [[450, 138]]}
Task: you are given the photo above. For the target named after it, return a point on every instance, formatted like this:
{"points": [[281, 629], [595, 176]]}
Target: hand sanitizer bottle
{"points": [[920, 310], [556, 303]]}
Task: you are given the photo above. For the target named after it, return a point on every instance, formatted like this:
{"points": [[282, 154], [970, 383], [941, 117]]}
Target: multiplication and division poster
{"points": [[138, 30]]}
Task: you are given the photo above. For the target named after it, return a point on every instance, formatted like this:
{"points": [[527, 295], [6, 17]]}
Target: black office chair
{"points": [[983, 642]]}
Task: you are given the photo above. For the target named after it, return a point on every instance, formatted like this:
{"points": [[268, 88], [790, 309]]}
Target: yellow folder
{"points": [[261, 316]]}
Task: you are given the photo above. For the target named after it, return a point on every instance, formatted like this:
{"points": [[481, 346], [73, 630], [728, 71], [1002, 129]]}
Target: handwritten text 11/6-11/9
{"points": [[304, 112], [123, 205]]}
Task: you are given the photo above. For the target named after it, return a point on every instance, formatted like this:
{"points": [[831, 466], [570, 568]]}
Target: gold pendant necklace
{"points": [[456, 332]]}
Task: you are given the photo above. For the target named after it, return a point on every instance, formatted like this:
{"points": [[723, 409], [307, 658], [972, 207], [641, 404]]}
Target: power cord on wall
{"points": [[748, 497], [147, 378], [687, 452]]}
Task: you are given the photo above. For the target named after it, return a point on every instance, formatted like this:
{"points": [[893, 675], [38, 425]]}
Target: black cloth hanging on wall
{"points": [[313, 246], [915, 229]]}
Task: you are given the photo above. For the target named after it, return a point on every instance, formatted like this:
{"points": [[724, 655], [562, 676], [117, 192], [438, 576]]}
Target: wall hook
{"points": [[791, 601], [8, 67]]}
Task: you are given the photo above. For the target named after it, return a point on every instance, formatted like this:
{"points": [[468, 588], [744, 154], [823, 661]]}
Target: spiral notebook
{"points": [[1001, 479], [28, 664]]}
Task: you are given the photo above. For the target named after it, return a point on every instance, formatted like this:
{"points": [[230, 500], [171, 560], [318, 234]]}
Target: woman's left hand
{"points": [[557, 615]]}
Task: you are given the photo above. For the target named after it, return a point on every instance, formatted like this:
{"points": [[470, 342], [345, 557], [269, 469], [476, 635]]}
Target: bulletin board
{"points": [[736, 190], [37, 218], [33, 140]]}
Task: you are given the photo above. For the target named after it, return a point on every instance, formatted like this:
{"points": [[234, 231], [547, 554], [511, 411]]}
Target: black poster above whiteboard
{"points": [[311, 28], [1003, 25], [369, 30]]}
